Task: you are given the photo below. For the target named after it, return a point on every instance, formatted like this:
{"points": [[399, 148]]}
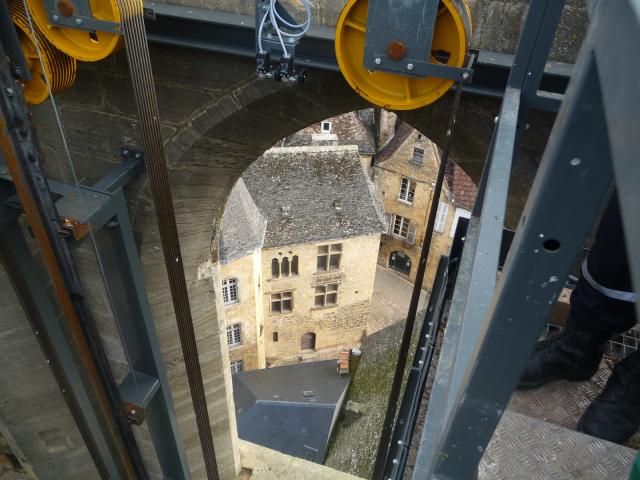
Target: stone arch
{"points": [[207, 152], [400, 262]]}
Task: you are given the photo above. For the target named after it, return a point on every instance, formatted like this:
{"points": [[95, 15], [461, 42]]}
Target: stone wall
{"points": [[339, 326], [247, 311], [387, 178]]}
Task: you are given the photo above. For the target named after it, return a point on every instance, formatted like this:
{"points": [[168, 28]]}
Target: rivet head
{"points": [[396, 50], [78, 21], [410, 66], [377, 61], [65, 7]]}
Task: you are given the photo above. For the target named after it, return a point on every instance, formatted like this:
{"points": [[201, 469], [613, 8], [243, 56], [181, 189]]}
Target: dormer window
{"points": [[325, 127]]}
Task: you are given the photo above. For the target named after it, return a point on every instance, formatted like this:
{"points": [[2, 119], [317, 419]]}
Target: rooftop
{"points": [[291, 409], [242, 227], [312, 194], [353, 128], [462, 188]]}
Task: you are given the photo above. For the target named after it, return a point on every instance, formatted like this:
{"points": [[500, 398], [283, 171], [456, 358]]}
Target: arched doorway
{"points": [[400, 262], [308, 341]]}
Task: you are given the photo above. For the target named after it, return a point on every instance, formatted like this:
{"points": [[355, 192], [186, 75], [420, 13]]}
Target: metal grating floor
{"points": [[526, 448], [563, 403]]}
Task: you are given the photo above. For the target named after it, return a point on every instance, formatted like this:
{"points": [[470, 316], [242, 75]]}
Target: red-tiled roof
{"points": [[462, 188]]}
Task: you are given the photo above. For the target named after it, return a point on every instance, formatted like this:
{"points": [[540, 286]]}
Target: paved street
{"points": [[391, 296]]}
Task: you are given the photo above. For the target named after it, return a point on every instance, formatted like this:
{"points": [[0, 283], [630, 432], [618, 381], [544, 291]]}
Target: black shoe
{"points": [[574, 354], [615, 414]]}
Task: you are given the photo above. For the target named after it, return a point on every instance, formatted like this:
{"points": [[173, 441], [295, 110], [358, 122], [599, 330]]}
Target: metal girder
{"points": [[613, 28], [31, 286], [573, 181], [234, 34], [145, 391], [11, 42]]}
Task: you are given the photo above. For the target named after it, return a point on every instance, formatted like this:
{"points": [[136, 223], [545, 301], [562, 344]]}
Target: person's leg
{"points": [[601, 306]]}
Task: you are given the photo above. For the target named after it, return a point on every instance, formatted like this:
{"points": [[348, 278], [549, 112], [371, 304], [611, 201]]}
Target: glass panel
{"points": [[285, 267], [322, 262], [294, 265], [319, 300], [276, 307], [286, 305], [336, 247], [332, 298], [275, 268], [323, 249], [334, 263]]}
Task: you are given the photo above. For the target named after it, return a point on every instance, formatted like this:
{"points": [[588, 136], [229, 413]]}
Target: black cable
{"points": [[403, 353]]}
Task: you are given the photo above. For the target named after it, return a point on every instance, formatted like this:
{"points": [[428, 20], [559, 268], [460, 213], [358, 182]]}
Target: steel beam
{"points": [[573, 181], [122, 270], [31, 286], [234, 34], [615, 28]]}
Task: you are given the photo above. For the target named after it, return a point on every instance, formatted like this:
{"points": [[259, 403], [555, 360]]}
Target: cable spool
{"points": [[59, 68], [80, 44], [394, 91]]}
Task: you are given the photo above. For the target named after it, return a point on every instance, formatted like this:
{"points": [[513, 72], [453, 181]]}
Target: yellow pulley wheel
{"points": [[79, 44], [395, 91], [58, 68]]}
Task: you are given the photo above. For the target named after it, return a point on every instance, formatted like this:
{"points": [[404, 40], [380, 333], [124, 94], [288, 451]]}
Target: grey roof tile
{"points": [[311, 194]]}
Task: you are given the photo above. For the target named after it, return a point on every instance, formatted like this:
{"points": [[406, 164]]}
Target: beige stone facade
{"points": [[245, 311], [271, 336], [405, 174], [336, 325]]}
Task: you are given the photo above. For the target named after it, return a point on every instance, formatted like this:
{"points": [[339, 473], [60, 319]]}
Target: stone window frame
{"points": [[278, 269], [326, 296], [234, 334], [322, 125], [418, 156], [407, 190], [230, 291], [329, 257], [441, 217], [237, 366], [281, 299]]}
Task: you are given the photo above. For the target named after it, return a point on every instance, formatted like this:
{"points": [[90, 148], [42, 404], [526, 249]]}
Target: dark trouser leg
{"points": [[602, 301]]}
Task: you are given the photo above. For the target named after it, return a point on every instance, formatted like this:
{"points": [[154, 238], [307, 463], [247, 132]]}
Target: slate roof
{"points": [[272, 410], [242, 227], [353, 128], [311, 194]]}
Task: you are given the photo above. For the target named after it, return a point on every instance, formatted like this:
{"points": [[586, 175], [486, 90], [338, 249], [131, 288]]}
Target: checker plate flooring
{"points": [[563, 403], [526, 448]]}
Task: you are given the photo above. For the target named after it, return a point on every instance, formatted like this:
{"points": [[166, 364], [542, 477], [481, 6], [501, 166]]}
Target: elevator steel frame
{"points": [[493, 326], [101, 208]]}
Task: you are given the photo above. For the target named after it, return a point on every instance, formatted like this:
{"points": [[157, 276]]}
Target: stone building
{"points": [[404, 172], [298, 250], [353, 128]]}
